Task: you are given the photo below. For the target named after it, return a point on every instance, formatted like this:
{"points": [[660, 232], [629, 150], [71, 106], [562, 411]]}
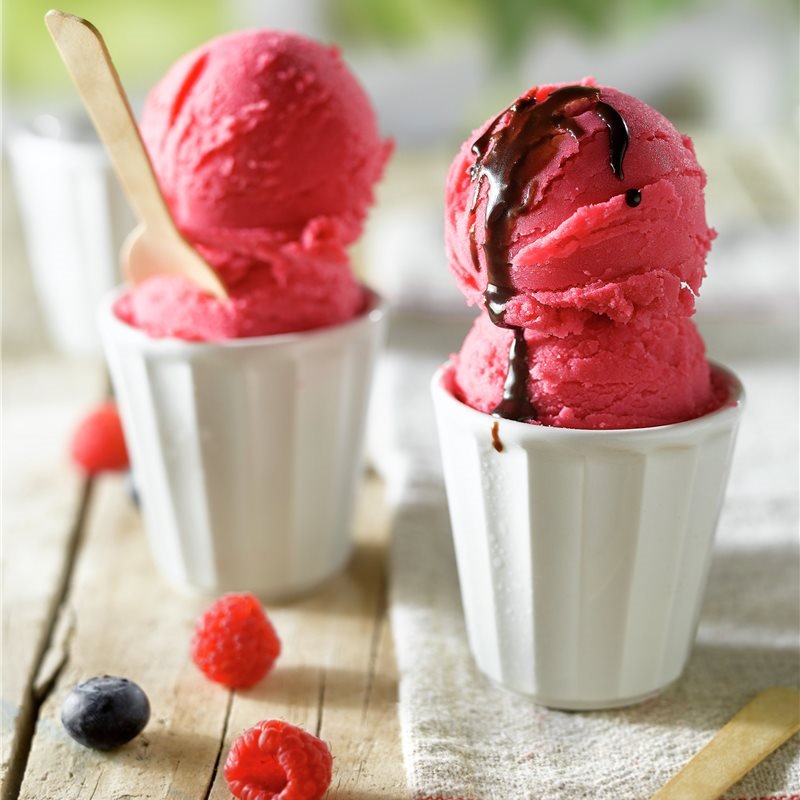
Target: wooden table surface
{"points": [[81, 598]]}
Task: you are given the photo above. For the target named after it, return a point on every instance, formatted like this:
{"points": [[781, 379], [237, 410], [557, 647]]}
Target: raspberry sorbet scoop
{"points": [[267, 150], [576, 219], [609, 376], [602, 211]]}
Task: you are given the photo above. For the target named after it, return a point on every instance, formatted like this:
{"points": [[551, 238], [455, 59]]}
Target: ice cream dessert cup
{"points": [[585, 436], [245, 415], [583, 554], [246, 452]]}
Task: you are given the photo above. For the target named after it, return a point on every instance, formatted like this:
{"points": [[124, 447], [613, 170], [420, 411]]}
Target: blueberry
{"points": [[105, 712]]}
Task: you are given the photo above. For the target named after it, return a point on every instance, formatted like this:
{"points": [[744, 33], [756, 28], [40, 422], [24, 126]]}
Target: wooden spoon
{"points": [[155, 247], [763, 725]]}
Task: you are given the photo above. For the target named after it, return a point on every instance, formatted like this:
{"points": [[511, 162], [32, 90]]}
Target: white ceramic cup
{"points": [[247, 453], [74, 218], [583, 554]]}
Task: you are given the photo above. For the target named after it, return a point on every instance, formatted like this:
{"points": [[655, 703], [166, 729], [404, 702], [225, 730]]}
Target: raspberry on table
{"points": [[234, 642], [98, 443], [274, 760]]}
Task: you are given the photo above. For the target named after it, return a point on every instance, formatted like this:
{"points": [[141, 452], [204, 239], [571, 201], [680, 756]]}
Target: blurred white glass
{"points": [[74, 218]]}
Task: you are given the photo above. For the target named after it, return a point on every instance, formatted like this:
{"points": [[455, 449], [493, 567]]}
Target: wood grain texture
{"points": [[126, 621], [42, 499], [89, 64], [335, 675]]}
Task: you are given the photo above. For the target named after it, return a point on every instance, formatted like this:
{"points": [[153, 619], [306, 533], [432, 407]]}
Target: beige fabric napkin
{"points": [[464, 738]]}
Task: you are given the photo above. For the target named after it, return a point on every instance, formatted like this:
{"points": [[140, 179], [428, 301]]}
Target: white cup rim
{"points": [[25, 141], [724, 416], [108, 321]]}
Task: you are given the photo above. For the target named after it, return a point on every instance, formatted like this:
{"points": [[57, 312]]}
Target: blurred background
{"points": [[725, 71]]}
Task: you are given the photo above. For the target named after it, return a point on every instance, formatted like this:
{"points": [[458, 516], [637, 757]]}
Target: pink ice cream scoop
{"points": [[267, 150], [608, 214], [607, 376], [576, 219]]}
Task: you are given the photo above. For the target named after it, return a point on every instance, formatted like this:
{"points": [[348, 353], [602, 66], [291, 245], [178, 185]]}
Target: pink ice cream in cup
{"points": [[239, 410], [586, 439], [267, 150]]}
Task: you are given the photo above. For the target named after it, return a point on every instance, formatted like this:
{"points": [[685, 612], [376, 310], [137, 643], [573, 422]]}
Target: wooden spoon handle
{"points": [[762, 726], [89, 63]]}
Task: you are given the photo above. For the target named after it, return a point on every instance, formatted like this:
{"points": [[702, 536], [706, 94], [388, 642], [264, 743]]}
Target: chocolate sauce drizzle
{"points": [[515, 403], [496, 443], [633, 197], [617, 133], [529, 139]]}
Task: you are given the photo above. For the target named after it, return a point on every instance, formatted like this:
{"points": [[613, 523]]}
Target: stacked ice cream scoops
{"points": [[245, 415], [585, 438], [267, 150], [576, 220]]}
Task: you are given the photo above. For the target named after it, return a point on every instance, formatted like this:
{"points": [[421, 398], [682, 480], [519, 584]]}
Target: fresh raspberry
{"points": [[98, 443], [274, 760], [234, 643]]}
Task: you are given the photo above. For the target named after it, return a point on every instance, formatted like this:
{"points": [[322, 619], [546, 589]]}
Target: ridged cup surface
{"points": [[583, 555], [246, 453]]}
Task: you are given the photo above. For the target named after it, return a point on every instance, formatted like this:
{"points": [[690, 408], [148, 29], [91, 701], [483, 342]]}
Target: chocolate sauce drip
{"points": [[504, 159], [515, 403], [633, 197], [617, 133], [529, 138], [495, 299], [473, 247], [496, 443]]}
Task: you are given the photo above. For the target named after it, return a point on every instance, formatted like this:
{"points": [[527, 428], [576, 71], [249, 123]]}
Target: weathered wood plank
{"points": [[42, 498], [336, 674], [127, 621], [367, 739], [362, 726], [336, 667]]}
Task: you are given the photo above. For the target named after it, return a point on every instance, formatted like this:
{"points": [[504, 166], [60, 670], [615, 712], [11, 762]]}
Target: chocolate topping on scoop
{"points": [[618, 133], [515, 403], [633, 197], [496, 442], [505, 155]]}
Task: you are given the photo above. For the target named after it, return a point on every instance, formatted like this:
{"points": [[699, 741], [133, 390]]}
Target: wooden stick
{"points": [[89, 63], [761, 727]]}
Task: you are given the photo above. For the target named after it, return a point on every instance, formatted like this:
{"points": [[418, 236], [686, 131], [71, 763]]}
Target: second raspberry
{"points": [[234, 642]]}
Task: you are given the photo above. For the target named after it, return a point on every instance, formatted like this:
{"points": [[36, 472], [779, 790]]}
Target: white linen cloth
{"points": [[464, 738]]}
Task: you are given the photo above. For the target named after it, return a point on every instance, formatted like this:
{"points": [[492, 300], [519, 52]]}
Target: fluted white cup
{"points": [[583, 554], [247, 453]]}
